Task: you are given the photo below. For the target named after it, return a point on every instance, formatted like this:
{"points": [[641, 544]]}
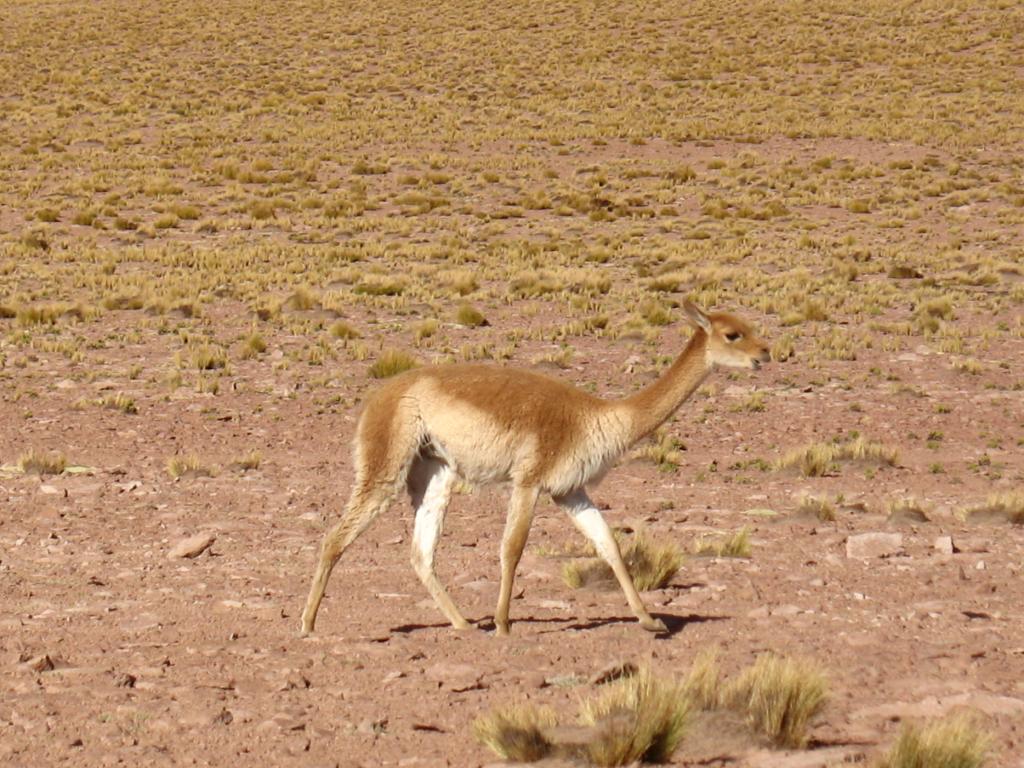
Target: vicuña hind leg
{"points": [[361, 511], [589, 520], [517, 528], [430, 486]]}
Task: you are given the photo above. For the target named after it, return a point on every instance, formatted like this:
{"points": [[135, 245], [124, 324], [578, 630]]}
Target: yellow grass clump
{"points": [[516, 733], [998, 508], [815, 508], [470, 316], [188, 466], [780, 697], [392, 362], [954, 742], [638, 718], [735, 545], [119, 402], [818, 459], [34, 462], [651, 565], [704, 681]]}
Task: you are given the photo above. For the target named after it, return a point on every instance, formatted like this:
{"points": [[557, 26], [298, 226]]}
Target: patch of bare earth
{"points": [[213, 222]]}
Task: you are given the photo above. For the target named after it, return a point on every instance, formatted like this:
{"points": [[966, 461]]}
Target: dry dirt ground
{"points": [[226, 217]]}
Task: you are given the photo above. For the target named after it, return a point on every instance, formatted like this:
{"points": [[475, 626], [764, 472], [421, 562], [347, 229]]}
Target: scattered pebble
{"points": [[871, 545], [191, 547]]}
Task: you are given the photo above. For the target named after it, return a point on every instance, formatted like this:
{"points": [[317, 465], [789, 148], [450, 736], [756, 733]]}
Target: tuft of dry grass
{"points": [[954, 742], [34, 462], [704, 682], [735, 545], [188, 466], [392, 362], [815, 508], [780, 697], [253, 345], [906, 511], [639, 718], [251, 460], [1001, 508], [301, 300], [207, 358], [819, 459], [650, 564], [516, 733], [470, 316], [119, 402], [664, 449], [344, 331]]}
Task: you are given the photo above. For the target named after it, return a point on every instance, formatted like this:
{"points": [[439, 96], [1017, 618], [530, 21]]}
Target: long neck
{"points": [[650, 407]]}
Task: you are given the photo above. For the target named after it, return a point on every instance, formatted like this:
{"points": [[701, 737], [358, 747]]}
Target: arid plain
{"points": [[220, 224]]}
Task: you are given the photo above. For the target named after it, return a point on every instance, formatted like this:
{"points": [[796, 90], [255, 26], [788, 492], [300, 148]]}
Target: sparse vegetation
{"points": [[906, 511], [1005, 508], [815, 508], [344, 331], [639, 718], [391, 362], [818, 459], [119, 402], [516, 733], [470, 316], [188, 466], [704, 681], [35, 462], [651, 565], [250, 460], [954, 742], [780, 697], [734, 545], [229, 219]]}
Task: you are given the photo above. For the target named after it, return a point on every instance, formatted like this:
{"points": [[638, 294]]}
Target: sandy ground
{"points": [[158, 661], [789, 162]]}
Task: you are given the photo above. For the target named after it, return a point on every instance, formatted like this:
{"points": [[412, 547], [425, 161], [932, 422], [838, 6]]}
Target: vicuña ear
{"points": [[697, 316]]}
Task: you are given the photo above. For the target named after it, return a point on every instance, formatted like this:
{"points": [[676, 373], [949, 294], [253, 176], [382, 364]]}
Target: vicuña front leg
{"points": [[589, 520], [517, 529], [430, 486]]}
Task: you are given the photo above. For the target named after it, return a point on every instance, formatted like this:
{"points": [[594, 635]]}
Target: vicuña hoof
{"points": [[653, 625]]}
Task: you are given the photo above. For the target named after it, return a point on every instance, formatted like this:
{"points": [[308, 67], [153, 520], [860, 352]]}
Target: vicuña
{"points": [[431, 426]]}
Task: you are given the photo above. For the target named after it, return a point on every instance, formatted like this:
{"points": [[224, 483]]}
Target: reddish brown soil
{"points": [[160, 662]]}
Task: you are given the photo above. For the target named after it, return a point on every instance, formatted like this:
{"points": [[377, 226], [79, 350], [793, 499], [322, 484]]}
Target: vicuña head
{"points": [[731, 342], [426, 428]]}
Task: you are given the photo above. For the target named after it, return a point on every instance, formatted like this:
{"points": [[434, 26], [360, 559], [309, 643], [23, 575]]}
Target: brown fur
{"points": [[491, 424]]}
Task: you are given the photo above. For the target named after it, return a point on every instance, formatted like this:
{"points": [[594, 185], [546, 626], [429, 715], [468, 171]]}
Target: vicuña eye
{"points": [[733, 336]]}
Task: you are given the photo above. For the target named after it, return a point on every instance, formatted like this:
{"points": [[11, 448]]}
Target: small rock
{"points": [[373, 727], [455, 677], [869, 545], [224, 717], [41, 663], [556, 605], [125, 680], [944, 545], [785, 610], [193, 546], [614, 672], [562, 681]]}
